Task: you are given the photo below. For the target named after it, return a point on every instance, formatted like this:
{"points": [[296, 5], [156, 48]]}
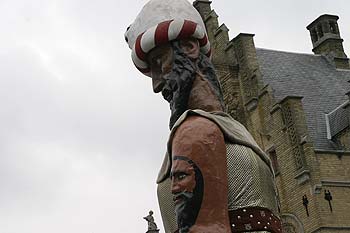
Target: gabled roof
{"points": [[321, 85]]}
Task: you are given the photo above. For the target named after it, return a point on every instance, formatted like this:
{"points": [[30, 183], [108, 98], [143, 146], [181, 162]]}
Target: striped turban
{"points": [[162, 21]]}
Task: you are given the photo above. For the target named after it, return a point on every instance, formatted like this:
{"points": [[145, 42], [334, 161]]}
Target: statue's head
{"points": [[151, 212], [169, 44]]}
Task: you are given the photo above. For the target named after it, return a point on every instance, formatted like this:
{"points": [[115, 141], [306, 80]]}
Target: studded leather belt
{"points": [[254, 219]]}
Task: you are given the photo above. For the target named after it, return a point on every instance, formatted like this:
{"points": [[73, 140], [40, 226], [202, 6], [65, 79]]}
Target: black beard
{"points": [[178, 86], [186, 211], [178, 83]]}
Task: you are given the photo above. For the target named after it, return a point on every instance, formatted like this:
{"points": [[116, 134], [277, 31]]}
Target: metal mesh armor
{"points": [[166, 205]]}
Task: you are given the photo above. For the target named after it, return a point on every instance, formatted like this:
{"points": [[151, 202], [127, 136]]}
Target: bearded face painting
{"points": [[187, 187]]}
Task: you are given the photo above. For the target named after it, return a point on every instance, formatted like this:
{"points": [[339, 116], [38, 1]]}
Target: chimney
{"points": [[203, 7], [326, 40]]}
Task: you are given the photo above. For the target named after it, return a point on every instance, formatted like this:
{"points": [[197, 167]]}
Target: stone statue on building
{"points": [[152, 226], [214, 177]]}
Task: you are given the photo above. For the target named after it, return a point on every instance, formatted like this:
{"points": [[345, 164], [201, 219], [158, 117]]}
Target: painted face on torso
{"points": [[183, 177], [187, 189]]}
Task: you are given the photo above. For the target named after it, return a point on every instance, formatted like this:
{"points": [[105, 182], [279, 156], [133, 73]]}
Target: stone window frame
{"points": [[292, 220], [271, 152], [290, 129]]}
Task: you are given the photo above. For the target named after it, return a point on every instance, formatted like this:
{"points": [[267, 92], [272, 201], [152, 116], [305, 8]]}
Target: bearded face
{"points": [[174, 67], [187, 189], [172, 74]]}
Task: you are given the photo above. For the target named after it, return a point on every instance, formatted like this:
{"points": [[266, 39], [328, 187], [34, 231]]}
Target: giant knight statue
{"points": [[214, 178]]}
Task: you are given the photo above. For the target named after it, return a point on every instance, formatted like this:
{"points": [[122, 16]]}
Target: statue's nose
{"points": [[175, 188]]}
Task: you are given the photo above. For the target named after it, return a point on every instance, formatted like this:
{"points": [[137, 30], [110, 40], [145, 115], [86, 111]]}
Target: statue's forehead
{"points": [[161, 50], [181, 165]]}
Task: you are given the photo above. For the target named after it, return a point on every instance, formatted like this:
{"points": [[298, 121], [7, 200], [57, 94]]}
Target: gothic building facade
{"points": [[297, 106]]}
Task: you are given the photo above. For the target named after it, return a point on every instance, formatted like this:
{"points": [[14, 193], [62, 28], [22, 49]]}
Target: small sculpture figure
{"points": [[152, 226]]}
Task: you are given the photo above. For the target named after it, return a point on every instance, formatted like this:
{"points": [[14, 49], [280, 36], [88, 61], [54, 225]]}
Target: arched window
{"points": [[291, 224], [289, 228], [333, 27], [320, 30]]}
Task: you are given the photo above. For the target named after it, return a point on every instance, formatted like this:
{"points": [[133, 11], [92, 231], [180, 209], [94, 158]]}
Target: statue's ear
{"points": [[190, 47]]}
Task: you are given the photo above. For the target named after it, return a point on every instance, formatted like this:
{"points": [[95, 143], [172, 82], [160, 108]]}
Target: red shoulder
{"points": [[198, 125], [197, 130]]}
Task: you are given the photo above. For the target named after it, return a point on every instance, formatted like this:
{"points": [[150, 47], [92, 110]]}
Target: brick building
{"points": [[297, 106]]}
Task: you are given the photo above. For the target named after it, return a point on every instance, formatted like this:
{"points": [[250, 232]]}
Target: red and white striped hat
{"points": [[161, 21]]}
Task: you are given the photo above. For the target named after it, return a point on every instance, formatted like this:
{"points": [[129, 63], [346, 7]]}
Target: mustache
{"points": [[179, 79], [184, 210], [170, 87], [184, 195]]}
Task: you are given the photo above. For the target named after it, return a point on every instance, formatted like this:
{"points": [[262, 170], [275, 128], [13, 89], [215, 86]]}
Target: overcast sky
{"points": [[82, 136]]}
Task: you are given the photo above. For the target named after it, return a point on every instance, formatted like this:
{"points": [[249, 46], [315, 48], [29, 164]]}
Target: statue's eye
{"points": [[157, 61], [182, 176], [178, 176]]}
